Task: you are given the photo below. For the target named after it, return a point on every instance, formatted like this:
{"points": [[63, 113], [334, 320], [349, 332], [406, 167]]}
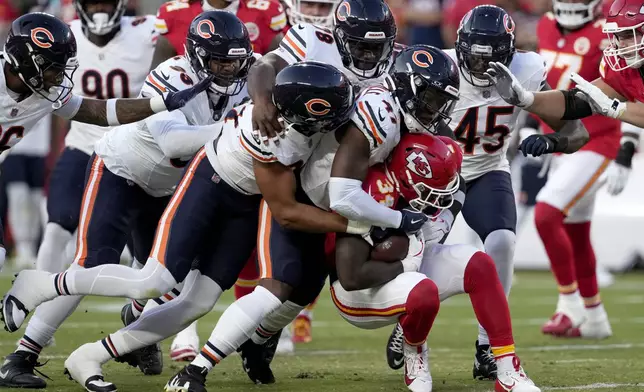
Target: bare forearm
{"points": [[163, 51], [576, 134], [549, 105], [94, 111], [261, 79], [303, 217], [634, 114]]}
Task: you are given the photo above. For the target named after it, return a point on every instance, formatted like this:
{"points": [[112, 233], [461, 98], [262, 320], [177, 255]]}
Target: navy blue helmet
{"points": [[485, 34], [365, 31], [218, 46], [313, 97], [426, 83], [41, 50]]}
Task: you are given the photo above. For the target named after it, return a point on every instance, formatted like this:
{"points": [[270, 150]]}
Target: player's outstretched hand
{"points": [[616, 178], [598, 101], [414, 258], [177, 100], [508, 86], [537, 145], [265, 122], [412, 221]]}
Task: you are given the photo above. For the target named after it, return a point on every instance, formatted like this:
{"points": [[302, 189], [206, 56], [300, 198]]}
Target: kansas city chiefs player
{"points": [[571, 40], [264, 19]]}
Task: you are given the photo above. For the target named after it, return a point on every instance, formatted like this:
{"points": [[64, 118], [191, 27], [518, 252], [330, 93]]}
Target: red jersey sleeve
{"points": [[616, 80], [163, 23]]}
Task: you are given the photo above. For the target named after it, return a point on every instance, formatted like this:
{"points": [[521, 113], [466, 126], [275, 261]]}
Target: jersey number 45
{"points": [[467, 131]]}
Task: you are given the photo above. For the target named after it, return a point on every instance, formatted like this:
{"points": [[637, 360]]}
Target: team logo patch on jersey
{"points": [[42, 37], [343, 12], [420, 55], [14, 112], [418, 163], [206, 28], [253, 31], [318, 107], [582, 46]]}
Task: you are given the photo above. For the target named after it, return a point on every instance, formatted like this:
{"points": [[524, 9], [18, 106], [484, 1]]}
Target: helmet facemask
{"points": [[100, 23], [626, 48], [297, 12], [228, 73], [573, 16], [366, 57]]}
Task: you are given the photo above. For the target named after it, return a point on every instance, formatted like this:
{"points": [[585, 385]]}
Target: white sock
{"points": [[236, 325], [52, 255], [277, 320], [24, 219], [570, 301], [188, 334], [597, 313], [499, 245], [113, 280], [198, 298]]}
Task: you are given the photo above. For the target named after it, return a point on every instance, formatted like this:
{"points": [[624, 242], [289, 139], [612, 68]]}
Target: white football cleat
{"points": [[285, 345], [417, 375], [596, 325], [81, 367], [28, 291], [510, 376], [185, 346]]}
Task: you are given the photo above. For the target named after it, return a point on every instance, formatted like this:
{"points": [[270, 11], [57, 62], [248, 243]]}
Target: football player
{"points": [[108, 70], [220, 193], [265, 20], [38, 63], [135, 168], [317, 12], [422, 172], [482, 122], [571, 40]]}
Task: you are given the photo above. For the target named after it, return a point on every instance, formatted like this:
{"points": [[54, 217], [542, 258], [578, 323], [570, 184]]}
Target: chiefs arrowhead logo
{"points": [[42, 37], [417, 162]]}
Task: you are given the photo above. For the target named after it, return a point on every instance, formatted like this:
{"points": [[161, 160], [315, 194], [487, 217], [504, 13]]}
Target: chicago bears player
{"points": [[113, 48], [482, 122], [317, 12], [136, 167], [224, 190], [264, 19], [361, 45], [38, 63], [571, 40]]}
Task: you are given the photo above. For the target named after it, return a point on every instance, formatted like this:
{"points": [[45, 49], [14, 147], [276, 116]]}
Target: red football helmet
{"points": [[624, 26], [425, 170]]}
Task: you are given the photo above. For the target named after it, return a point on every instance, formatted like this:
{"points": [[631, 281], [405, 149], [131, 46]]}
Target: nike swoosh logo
{"points": [[414, 221], [380, 116], [4, 374], [507, 387], [398, 362], [164, 75]]}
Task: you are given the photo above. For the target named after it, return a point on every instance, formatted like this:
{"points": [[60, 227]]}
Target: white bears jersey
{"points": [[307, 42], [482, 121], [377, 116], [238, 147], [19, 118], [36, 143], [132, 151], [116, 70]]}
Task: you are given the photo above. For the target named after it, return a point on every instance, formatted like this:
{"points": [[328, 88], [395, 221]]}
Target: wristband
{"points": [[110, 108], [157, 105]]}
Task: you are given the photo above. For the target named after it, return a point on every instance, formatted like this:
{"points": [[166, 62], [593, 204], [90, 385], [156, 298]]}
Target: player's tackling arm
{"points": [[355, 270], [261, 79], [277, 184], [571, 134]]}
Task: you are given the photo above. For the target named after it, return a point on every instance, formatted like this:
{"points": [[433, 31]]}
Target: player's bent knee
{"points": [[423, 297], [153, 280], [546, 216], [500, 240], [480, 270]]}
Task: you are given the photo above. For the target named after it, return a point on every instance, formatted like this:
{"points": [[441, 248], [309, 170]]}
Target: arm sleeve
{"points": [[70, 107], [348, 199], [175, 137], [162, 22]]}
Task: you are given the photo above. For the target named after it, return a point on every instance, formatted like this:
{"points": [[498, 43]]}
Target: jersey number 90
{"points": [[93, 83]]}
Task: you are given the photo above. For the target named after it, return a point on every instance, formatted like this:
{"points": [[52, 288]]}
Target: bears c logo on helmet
{"points": [[208, 31], [417, 58], [417, 162], [508, 23], [42, 37], [323, 106], [343, 12]]}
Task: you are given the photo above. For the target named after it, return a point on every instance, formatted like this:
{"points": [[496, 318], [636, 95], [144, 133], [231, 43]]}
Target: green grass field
{"points": [[344, 358]]}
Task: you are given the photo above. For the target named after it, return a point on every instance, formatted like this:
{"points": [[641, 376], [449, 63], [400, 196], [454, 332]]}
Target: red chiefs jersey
{"points": [[628, 82], [264, 19], [578, 51], [380, 186]]}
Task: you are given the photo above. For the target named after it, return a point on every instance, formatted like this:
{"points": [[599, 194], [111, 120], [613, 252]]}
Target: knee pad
{"points": [[500, 241], [154, 280]]}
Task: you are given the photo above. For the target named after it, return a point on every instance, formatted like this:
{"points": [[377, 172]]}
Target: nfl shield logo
{"points": [[486, 94], [14, 112], [216, 178]]}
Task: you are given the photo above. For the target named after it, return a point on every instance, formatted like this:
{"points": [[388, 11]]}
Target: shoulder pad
{"points": [[295, 42], [376, 116], [172, 75]]}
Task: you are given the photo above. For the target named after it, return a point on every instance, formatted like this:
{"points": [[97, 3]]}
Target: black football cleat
{"points": [[256, 359], [484, 363], [148, 359], [395, 356], [189, 379], [18, 369]]}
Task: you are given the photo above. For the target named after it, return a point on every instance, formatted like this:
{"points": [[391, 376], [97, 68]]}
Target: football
{"points": [[392, 248]]}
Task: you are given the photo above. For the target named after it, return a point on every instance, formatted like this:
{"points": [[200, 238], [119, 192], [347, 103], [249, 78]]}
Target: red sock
{"points": [[421, 309], [550, 225], [248, 277], [585, 262], [490, 305]]}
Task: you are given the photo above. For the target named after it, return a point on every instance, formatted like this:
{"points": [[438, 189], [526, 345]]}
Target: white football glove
{"points": [[435, 229], [616, 178], [598, 101], [508, 86], [414, 258]]}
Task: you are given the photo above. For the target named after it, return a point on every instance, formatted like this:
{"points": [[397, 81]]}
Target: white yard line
{"points": [[592, 387]]}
